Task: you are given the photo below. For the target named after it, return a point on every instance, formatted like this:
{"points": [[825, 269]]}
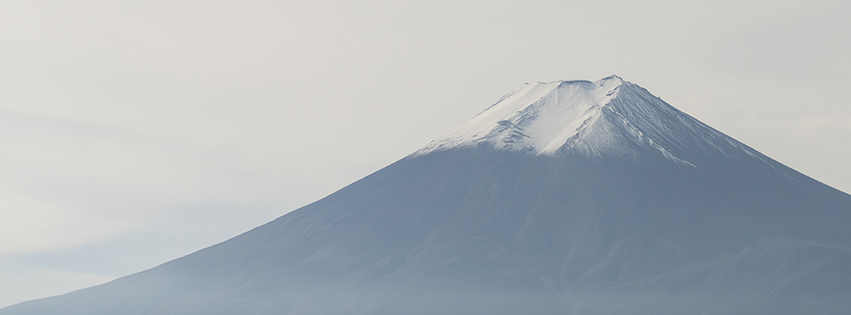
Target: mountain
{"points": [[568, 197]]}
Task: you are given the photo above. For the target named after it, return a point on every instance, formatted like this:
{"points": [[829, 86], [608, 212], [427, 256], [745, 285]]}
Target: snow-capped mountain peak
{"points": [[608, 117]]}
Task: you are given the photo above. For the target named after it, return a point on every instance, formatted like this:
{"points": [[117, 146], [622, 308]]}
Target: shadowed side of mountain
{"points": [[476, 230]]}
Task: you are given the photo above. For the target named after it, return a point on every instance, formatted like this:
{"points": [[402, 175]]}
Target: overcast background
{"points": [[135, 132]]}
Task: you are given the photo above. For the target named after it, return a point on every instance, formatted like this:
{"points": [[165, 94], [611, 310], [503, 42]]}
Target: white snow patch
{"points": [[539, 117], [607, 117]]}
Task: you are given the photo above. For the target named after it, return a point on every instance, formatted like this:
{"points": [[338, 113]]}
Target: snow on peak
{"points": [[609, 116], [538, 117]]}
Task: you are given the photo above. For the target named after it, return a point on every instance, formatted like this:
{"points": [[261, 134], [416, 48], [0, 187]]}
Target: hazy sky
{"points": [[135, 132]]}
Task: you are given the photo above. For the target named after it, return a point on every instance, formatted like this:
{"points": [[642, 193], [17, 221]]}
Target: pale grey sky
{"points": [[134, 132]]}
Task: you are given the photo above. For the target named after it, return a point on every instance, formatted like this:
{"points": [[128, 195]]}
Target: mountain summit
{"points": [[610, 117], [568, 197]]}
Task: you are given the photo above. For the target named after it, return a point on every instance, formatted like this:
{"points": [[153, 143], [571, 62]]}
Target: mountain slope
{"points": [[569, 197]]}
